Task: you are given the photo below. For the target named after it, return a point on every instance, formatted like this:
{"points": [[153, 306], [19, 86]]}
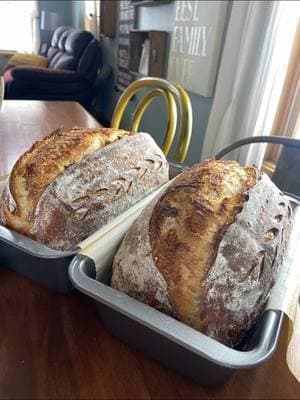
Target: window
{"points": [[287, 119], [16, 25], [92, 16]]}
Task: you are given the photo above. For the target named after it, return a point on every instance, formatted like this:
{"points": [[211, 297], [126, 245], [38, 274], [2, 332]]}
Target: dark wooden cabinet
{"points": [[108, 13], [157, 51]]}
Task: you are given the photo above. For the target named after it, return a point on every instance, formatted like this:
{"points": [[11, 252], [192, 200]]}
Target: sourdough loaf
{"points": [[73, 182], [207, 250]]}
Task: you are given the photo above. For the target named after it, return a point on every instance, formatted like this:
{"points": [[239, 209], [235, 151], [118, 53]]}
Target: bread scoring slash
{"points": [[74, 181], [208, 249]]}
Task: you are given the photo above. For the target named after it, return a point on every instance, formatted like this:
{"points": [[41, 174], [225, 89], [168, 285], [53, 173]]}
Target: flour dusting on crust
{"points": [[96, 189], [231, 293], [134, 271], [246, 265]]}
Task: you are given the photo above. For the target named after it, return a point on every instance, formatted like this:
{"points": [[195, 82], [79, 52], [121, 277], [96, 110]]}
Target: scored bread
{"points": [[207, 250], [74, 181]]}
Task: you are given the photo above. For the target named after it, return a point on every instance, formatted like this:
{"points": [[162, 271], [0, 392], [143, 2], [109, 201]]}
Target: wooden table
{"points": [[24, 122], [53, 346]]}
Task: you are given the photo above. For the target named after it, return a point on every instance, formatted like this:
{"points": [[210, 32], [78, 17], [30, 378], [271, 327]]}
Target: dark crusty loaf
{"points": [[72, 182], [207, 250]]}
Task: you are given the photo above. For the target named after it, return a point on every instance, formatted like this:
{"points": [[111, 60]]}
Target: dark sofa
{"points": [[74, 59]]}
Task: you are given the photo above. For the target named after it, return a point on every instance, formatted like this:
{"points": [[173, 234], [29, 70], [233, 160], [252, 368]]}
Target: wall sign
{"points": [[196, 43]]}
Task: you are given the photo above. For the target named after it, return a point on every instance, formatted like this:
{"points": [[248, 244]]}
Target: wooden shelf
{"points": [[149, 3], [108, 13], [157, 51]]}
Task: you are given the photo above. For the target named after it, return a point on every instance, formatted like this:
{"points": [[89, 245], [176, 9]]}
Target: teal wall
{"points": [[77, 13], [71, 11], [3, 62], [61, 7], [154, 120], [162, 18]]}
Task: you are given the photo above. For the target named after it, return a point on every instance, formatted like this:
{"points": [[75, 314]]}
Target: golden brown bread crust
{"points": [[208, 249], [72, 183], [42, 163], [184, 247]]}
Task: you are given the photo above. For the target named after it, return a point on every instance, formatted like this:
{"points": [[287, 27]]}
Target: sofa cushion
{"points": [[67, 47], [77, 41], [51, 54], [57, 34], [28, 59], [74, 59], [33, 74], [62, 41], [64, 61], [90, 61]]}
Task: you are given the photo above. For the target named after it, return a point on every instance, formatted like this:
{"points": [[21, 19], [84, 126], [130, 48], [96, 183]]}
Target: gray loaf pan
{"points": [[177, 346], [35, 261], [40, 263], [189, 352]]}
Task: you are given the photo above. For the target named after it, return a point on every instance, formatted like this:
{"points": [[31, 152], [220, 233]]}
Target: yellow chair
{"points": [[171, 92]]}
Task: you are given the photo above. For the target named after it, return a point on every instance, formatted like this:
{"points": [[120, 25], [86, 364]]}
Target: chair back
{"points": [[175, 97], [286, 174]]}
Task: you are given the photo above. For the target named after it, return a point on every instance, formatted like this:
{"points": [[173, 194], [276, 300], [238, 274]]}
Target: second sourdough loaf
{"points": [[207, 250], [73, 182]]}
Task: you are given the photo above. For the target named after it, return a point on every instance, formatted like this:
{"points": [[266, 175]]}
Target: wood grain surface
{"points": [[53, 346], [23, 122]]}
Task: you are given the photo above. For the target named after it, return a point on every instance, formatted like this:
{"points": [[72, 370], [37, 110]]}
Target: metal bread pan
{"points": [[159, 336], [35, 261], [40, 263], [177, 346]]}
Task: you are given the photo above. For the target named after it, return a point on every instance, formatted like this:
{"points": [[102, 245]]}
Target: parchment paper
{"points": [[284, 295]]}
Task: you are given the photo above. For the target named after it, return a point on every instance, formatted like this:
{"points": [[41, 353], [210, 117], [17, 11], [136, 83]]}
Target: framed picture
{"points": [[196, 44]]}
